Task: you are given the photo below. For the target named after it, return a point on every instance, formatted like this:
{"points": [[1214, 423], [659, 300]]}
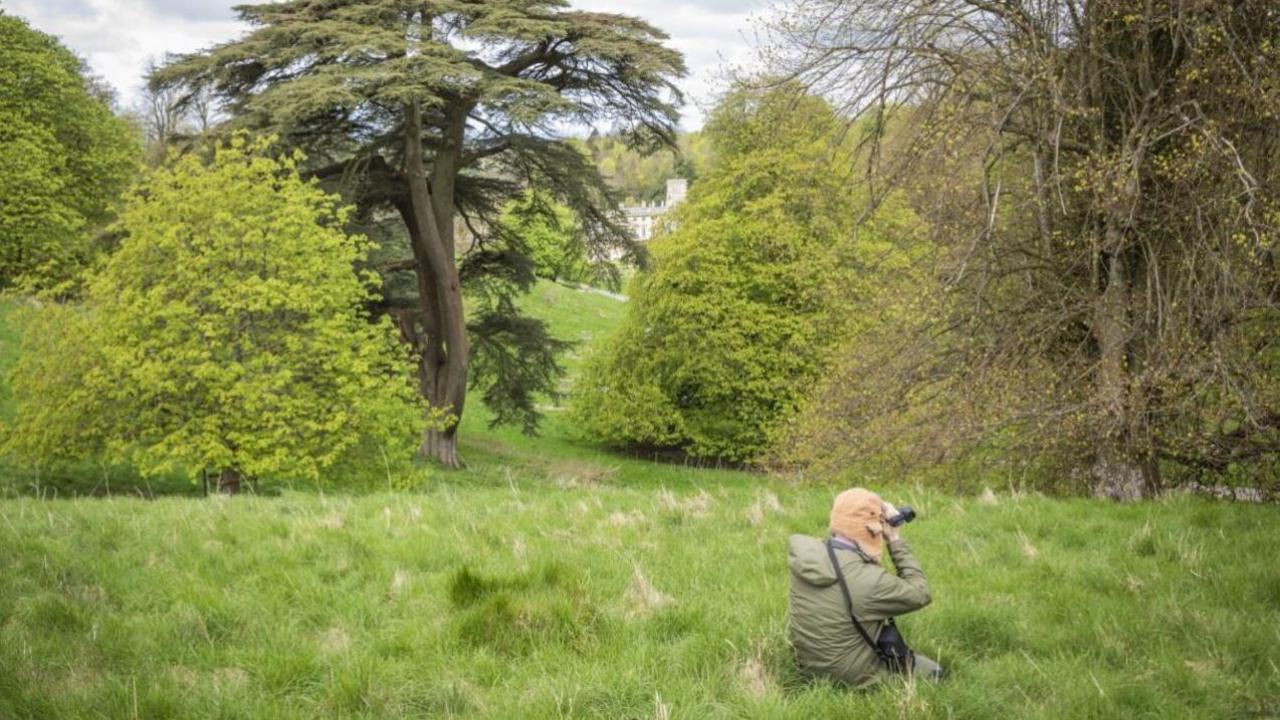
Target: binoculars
{"points": [[906, 514]]}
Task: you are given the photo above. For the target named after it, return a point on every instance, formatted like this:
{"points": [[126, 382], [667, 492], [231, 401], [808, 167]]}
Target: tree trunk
{"points": [[1119, 471], [443, 348], [442, 445], [228, 482]]}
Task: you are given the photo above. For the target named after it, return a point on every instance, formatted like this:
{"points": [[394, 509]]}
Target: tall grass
{"points": [[610, 601]]}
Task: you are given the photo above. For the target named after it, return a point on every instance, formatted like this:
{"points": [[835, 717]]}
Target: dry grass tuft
{"points": [[399, 583], [1028, 549], [642, 597], [333, 521], [765, 503], [626, 519], [230, 678], [334, 640], [661, 710], [696, 505], [754, 677], [579, 475]]}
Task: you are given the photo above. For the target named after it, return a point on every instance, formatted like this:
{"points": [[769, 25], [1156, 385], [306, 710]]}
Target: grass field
{"points": [[553, 579]]}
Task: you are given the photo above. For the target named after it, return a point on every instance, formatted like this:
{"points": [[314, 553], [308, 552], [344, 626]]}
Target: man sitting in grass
{"points": [[844, 633]]}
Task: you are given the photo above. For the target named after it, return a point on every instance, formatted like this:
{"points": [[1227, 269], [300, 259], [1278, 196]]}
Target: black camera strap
{"points": [[848, 603]]}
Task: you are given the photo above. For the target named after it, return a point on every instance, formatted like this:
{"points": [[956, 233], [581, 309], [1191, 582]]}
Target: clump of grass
{"points": [[467, 587], [516, 614]]}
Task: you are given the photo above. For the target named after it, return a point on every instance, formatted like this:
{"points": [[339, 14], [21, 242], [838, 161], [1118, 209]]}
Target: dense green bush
{"points": [[739, 312], [226, 333], [66, 158]]}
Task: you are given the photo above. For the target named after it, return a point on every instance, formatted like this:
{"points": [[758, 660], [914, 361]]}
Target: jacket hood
{"points": [[859, 514], [808, 559]]}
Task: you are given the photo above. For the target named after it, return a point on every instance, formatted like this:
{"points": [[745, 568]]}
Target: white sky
{"points": [[117, 37]]}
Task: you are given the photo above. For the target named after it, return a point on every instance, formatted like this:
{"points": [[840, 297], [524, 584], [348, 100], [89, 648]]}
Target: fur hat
{"points": [[858, 514]]}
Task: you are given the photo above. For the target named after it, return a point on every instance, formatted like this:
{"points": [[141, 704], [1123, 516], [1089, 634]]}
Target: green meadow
{"points": [[554, 579]]}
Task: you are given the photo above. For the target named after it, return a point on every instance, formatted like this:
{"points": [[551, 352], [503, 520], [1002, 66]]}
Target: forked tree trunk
{"points": [[444, 346]]}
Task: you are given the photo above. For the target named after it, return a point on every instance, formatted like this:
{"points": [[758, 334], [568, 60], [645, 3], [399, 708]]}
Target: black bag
{"points": [[893, 648], [890, 647]]}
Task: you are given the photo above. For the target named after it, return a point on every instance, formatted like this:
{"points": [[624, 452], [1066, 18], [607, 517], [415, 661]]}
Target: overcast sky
{"points": [[117, 37]]}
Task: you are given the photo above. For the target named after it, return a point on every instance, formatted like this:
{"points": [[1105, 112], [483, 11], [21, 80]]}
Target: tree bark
{"points": [[444, 346], [1119, 471], [228, 482]]}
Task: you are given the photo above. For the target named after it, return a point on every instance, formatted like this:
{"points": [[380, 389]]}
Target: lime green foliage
{"points": [[525, 599], [551, 234], [66, 159], [642, 176], [9, 341], [740, 310], [227, 332], [583, 316]]}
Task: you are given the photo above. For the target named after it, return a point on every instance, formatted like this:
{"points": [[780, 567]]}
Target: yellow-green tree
{"points": [[65, 158], [227, 333], [745, 299]]}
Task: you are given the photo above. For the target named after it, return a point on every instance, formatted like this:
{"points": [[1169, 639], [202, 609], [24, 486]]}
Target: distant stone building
{"points": [[643, 219]]}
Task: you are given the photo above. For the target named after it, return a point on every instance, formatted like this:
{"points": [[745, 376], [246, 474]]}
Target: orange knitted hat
{"points": [[858, 514]]}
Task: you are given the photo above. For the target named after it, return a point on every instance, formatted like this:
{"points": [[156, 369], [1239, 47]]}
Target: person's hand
{"points": [[890, 531]]}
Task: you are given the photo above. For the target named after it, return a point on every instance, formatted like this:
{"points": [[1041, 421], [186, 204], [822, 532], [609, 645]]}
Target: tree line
{"points": [[1095, 305], [1034, 238], [429, 120]]}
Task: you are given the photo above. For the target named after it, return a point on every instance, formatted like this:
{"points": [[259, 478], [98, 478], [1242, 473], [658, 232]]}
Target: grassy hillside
{"points": [[552, 579], [559, 454]]}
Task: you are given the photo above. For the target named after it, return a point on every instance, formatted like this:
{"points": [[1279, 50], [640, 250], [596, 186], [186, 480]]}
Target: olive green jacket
{"points": [[826, 643]]}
